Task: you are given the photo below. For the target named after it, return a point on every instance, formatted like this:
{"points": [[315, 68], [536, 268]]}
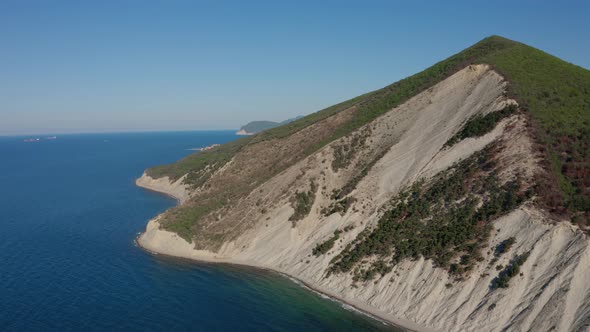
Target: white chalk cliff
{"points": [[551, 293]]}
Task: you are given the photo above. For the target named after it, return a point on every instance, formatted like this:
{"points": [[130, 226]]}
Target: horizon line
{"points": [[115, 131]]}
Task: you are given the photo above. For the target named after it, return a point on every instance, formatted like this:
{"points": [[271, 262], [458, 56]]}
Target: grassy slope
{"points": [[557, 97], [192, 163], [556, 93]]}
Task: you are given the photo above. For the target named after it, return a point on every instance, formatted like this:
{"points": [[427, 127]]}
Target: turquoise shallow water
{"points": [[69, 214]]}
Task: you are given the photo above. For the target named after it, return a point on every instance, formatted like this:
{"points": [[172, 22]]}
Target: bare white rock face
{"points": [[551, 293]]}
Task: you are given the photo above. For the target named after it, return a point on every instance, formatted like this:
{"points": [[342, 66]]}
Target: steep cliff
{"points": [[442, 202]]}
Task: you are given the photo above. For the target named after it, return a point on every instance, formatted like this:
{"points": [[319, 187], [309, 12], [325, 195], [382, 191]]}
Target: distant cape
{"points": [[257, 126]]}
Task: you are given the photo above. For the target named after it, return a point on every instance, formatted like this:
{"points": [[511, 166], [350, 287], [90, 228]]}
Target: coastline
{"points": [[353, 307], [550, 292], [205, 257]]}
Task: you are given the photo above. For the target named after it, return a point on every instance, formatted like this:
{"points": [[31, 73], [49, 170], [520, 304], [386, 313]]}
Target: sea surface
{"points": [[69, 214]]}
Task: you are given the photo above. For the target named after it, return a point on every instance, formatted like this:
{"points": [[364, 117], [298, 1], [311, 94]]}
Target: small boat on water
{"points": [[32, 140]]}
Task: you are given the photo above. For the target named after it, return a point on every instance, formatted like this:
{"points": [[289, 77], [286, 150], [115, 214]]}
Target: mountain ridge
{"points": [[351, 187]]}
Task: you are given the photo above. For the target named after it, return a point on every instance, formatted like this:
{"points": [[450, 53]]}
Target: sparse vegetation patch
{"points": [[324, 247], [510, 271], [504, 246], [341, 206], [345, 152], [449, 218], [303, 203], [480, 125]]}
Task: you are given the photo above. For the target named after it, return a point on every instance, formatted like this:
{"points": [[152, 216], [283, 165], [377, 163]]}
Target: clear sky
{"points": [[89, 66]]}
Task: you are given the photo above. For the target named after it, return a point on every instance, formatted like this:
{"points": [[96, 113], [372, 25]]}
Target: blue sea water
{"points": [[69, 213]]}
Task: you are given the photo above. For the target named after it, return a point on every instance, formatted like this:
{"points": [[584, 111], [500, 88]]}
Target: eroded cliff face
{"points": [[175, 189], [350, 183]]}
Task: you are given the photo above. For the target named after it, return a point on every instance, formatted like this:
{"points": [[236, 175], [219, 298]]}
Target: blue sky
{"points": [[90, 66]]}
